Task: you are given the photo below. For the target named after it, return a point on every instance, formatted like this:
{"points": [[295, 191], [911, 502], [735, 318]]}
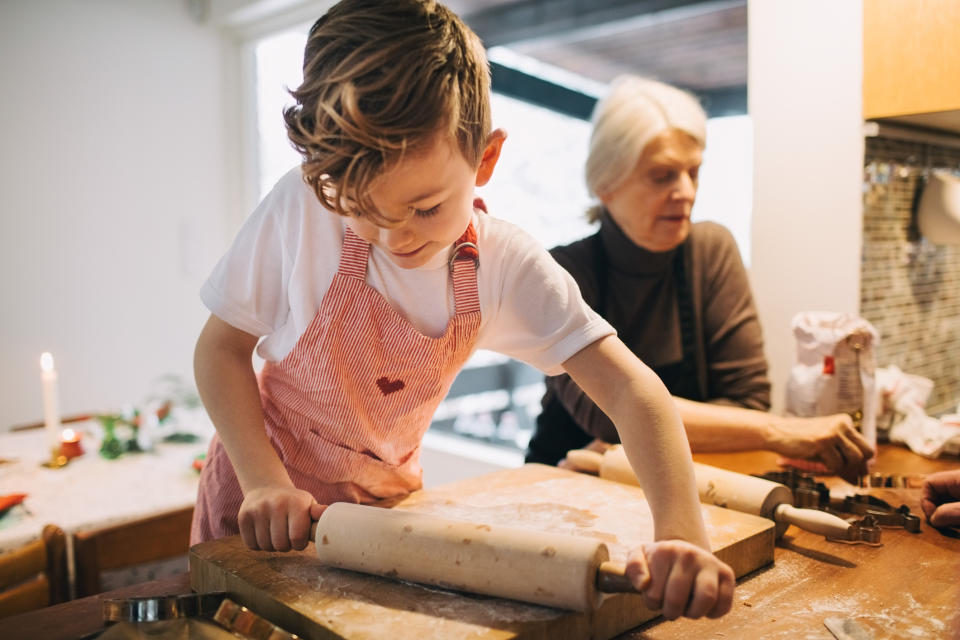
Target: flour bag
{"points": [[835, 370]]}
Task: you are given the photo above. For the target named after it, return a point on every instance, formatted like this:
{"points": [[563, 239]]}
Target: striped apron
{"points": [[347, 408]]}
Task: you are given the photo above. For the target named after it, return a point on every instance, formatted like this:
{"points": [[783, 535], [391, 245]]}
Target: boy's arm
{"points": [[651, 432], [677, 573], [228, 387]]}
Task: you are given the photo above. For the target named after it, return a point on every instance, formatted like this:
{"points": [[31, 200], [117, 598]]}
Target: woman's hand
{"points": [[277, 518], [681, 579], [830, 440]]}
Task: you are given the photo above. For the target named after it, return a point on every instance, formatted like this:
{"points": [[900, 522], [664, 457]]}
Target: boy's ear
{"points": [[491, 153]]}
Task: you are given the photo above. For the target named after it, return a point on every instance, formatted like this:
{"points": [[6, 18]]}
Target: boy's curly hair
{"points": [[382, 78]]}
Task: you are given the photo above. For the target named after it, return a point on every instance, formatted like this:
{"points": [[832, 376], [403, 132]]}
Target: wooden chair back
{"points": [[128, 545], [34, 576]]}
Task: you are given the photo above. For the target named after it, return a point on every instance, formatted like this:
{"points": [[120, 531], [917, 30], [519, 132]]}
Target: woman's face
{"points": [[653, 204]]}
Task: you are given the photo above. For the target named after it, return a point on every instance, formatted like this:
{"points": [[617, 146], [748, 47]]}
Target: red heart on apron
{"points": [[388, 386]]}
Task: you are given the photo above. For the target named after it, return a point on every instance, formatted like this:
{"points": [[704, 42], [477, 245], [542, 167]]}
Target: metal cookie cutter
{"points": [[896, 481], [246, 624], [862, 531], [815, 495], [810, 494], [884, 513], [151, 609]]}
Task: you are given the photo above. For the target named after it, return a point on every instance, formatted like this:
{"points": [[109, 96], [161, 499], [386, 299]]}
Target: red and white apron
{"points": [[347, 408]]}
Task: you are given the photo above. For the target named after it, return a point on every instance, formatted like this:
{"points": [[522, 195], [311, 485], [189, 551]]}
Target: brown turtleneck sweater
{"points": [[723, 361]]}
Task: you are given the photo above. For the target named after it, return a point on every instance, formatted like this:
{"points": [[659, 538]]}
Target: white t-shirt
{"points": [[271, 282]]}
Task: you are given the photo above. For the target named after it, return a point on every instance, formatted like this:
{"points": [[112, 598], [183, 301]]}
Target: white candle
{"points": [[51, 403]]}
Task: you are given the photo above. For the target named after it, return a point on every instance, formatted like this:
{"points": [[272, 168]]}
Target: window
{"points": [[725, 194], [278, 68]]}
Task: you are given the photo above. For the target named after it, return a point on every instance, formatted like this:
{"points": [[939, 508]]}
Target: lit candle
{"points": [[51, 404], [70, 446]]}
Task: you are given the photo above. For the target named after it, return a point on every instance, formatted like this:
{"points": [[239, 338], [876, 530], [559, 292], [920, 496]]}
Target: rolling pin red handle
{"points": [[612, 578], [814, 521]]}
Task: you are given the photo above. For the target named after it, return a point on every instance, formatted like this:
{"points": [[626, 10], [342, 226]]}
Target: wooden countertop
{"points": [[907, 588], [82, 618]]}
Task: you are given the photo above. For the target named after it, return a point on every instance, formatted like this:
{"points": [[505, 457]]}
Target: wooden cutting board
{"points": [[296, 592]]}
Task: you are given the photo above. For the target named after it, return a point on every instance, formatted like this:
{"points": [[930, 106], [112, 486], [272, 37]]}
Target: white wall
{"points": [[805, 96], [114, 188]]}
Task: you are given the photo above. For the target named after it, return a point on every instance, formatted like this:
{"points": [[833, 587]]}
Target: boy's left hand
{"points": [[682, 579]]}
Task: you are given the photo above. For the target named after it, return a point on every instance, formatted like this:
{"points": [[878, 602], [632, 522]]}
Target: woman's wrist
{"points": [[774, 434]]}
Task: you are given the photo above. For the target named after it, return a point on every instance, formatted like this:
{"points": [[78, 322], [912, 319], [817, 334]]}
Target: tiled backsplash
{"points": [[910, 289]]}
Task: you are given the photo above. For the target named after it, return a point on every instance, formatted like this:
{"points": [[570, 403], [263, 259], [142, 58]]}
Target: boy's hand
{"points": [[681, 579], [277, 518]]}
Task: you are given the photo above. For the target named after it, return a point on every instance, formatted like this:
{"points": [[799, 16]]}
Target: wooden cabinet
{"points": [[911, 57]]}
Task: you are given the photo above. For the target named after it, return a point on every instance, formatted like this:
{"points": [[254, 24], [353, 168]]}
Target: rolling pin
{"points": [[724, 488], [568, 572]]}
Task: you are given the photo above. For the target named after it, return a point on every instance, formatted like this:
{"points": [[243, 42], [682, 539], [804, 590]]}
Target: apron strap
{"points": [[353, 256], [464, 262]]}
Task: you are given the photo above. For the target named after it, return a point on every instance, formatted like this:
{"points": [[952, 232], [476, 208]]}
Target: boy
{"points": [[371, 277]]}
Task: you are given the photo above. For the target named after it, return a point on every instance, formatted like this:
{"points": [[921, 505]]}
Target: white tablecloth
{"points": [[93, 492]]}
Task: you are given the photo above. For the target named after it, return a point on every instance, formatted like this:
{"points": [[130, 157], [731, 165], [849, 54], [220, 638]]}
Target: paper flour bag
{"points": [[835, 370]]}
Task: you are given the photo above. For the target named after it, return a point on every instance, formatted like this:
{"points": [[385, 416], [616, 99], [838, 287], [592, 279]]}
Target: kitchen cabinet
{"points": [[911, 61]]}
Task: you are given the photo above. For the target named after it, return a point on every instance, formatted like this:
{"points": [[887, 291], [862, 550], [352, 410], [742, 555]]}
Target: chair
{"points": [[34, 576], [128, 545]]}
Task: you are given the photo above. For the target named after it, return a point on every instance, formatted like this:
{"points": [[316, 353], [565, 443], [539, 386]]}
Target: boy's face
{"points": [[430, 195]]}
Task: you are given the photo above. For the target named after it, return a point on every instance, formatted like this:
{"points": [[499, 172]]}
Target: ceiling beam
{"points": [[542, 92], [534, 19], [518, 84]]}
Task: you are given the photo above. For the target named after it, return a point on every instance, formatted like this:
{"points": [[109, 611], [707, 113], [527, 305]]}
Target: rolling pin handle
{"points": [[814, 521], [584, 460], [612, 578]]}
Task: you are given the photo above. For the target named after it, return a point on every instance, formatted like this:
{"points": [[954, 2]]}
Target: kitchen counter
{"points": [[906, 588]]}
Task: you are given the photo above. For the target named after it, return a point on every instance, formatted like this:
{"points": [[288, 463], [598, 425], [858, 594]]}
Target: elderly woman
{"points": [[676, 292]]}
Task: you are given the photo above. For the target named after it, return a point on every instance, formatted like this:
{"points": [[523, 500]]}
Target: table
{"points": [[92, 492], [907, 588], [811, 579], [82, 619]]}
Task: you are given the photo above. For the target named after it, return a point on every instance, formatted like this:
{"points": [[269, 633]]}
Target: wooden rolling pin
{"points": [[568, 572], [724, 488]]}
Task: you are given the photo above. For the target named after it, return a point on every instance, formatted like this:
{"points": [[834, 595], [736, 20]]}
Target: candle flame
{"points": [[46, 361], [69, 434]]}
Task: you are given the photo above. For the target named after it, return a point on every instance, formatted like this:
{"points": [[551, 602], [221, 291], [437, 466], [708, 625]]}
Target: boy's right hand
{"points": [[681, 579], [277, 518]]}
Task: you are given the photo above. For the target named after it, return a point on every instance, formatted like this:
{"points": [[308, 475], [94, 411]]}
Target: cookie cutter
{"points": [[884, 513], [154, 608], [247, 624], [892, 480], [812, 494]]}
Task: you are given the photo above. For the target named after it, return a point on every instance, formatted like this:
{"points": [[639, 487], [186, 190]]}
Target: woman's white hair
{"points": [[635, 111]]}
